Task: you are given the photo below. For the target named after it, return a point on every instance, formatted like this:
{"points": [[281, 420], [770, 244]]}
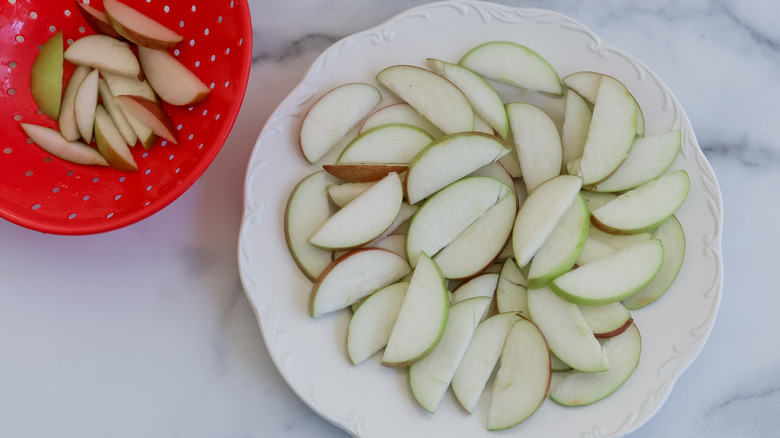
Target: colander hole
{"points": [[52, 29], [227, 51], [29, 141], [146, 204], [193, 8], [70, 173], [181, 24], [177, 170], [190, 137], [11, 91], [33, 15], [145, 154], [205, 112], [216, 117], [190, 108], [12, 1], [12, 64], [200, 146], [167, 9], [206, 32], [213, 57], [55, 189], [197, 63], [232, 3], [121, 179], [176, 52], [36, 206], [192, 43], [7, 150], [147, 171], [227, 83], [82, 29], [20, 38], [85, 198], [164, 142], [70, 41], [67, 12], [117, 197], [240, 41], [29, 173], [95, 179], [18, 118], [148, 188], [39, 111], [72, 216], [47, 160], [219, 19], [178, 128], [170, 157], [109, 216], [212, 85]]}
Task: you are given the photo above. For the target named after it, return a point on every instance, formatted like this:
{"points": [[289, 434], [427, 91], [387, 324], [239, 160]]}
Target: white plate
{"points": [[372, 401]]}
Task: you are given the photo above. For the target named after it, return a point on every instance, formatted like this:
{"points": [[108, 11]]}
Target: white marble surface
{"points": [[145, 331]]}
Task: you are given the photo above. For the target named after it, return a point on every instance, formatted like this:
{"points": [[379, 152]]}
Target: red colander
{"points": [[45, 193]]}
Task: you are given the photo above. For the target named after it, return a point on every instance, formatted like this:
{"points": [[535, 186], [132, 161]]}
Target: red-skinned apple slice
{"points": [[370, 326], [111, 144], [400, 113], [171, 79], [97, 20], [150, 114], [67, 117], [54, 143], [84, 105], [138, 27], [360, 173], [537, 143], [46, 76], [394, 143], [607, 320], [116, 113], [105, 54]]}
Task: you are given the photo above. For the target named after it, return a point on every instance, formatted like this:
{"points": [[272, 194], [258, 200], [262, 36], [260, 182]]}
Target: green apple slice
{"points": [[105, 54], [404, 214], [46, 76], [562, 248], [537, 143], [497, 171], [84, 105], [480, 94], [645, 207], [393, 242], [612, 278], [434, 97], [422, 318], [400, 113], [483, 285], [580, 389], [540, 213], [558, 365], [513, 64], [586, 84], [394, 143], [607, 320], [567, 333], [576, 121], [648, 159], [512, 290], [370, 326], [67, 116], [116, 113], [511, 164], [448, 159], [363, 219], [54, 143], [600, 244], [332, 116], [110, 142], [354, 276], [523, 379], [673, 237], [342, 194], [597, 199], [307, 209], [430, 377]]}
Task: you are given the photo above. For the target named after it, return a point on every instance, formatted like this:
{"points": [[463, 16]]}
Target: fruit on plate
{"points": [[67, 116], [151, 114], [512, 290], [139, 28], [483, 285], [342, 194], [84, 104], [607, 320], [537, 143], [399, 113], [370, 326], [111, 144], [394, 143], [354, 276], [170, 79], [435, 98], [46, 76], [600, 244], [514, 64], [422, 318], [97, 20], [54, 143], [576, 121], [105, 54], [586, 84]]}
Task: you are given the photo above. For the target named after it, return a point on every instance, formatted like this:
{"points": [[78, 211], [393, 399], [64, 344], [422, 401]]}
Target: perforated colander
{"points": [[51, 195]]}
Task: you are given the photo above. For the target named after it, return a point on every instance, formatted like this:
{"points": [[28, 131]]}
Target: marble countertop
{"points": [[146, 331]]}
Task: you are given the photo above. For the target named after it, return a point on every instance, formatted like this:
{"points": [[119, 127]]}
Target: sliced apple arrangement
{"points": [[113, 96], [476, 240]]}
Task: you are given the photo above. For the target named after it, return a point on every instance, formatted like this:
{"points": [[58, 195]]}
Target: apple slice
{"points": [[511, 164], [130, 86], [523, 379], [394, 143], [576, 121], [671, 234], [342, 194], [171, 79], [480, 358], [611, 133], [307, 209], [67, 116], [354, 276], [540, 213], [138, 27], [400, 113], [111, 144], [579, 389], [612, 278], [597, 199], [370, 326], [558, 365], [497, 171], [54, 143], [483, 285], [362, 173], [392, 242], [116, 113], [448, 159], [422, 318], [449, 212], [105, 54], [567, 333], [430, 377], [537, 143], [563, 246], [480, 94], [363, 219], [512, 290], [46, 76], [645, 207], [607, 320], [97, 20], [84, 104], [398, 244], [434, 97], [648, 159], [513, 64], [150, 114], [600, 244], [586, 84]]}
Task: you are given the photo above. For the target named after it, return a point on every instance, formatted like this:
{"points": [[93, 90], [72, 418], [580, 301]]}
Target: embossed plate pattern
{"points": [[374, 402]]}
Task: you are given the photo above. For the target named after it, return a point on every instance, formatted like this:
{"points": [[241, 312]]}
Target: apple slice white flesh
{"points": [[645, 207], [394, 143], [586, 84], [479, 244], [54, 143], [567, 333], [116, 113], [540, 213], [600, 244], [370, 326], [171, 79], [448, 159], [430, 377], [481, 95], [441, 219], [512, 290], [483, 285], [482, 126], [648, 159], [537, 143], [138, 27], [422, 318], [145, 135], [363, 219], [611, 133], [130, 86], [151, 114], [497, 171], [97, 20], [46, 76], [399, 113], [404, 213], [513, 64], [67, 116], [613, 277], [607, 320], [511, 164], [576, 121], [354, 276], [111, 144], [434, 97], [558, 365], [84, 104], [105, 54], [563, 246], [523, 378], [672, 236], [480, 358], [342, 194], [597, 199], [579, 389], [393, 242], [307, 209]]}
